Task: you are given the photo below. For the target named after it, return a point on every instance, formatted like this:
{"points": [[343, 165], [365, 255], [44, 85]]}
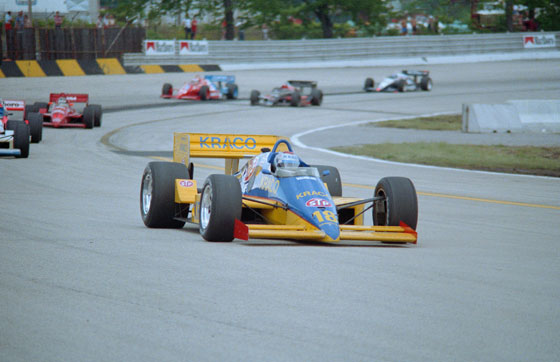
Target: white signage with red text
{"points": [[188, 47], [159, 47], [539, 41]]}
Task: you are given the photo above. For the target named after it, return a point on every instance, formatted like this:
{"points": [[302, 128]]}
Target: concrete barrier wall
{"points": [[512, 117], [241, 52]]}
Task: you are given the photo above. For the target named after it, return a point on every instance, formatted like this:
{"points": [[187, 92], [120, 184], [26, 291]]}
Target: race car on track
{"points": [[60, 111], [16, 110], [293, 92], [209, 87], [405, 81], [275, 195], [14, 135]]}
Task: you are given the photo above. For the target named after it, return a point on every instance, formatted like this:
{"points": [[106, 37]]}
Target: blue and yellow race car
{"points": [[275, 195]]}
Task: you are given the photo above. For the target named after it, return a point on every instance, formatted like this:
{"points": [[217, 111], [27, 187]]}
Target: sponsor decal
{"points": [[187, 47], [270, 184], [539, 41], [186, 183], [310, 193], [14, 105], [238, 143], [159, 47], [305, 178], [317, 202]]}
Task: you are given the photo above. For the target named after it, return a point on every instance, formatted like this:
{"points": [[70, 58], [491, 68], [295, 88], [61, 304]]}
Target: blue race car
{"points": [[275, 195]]}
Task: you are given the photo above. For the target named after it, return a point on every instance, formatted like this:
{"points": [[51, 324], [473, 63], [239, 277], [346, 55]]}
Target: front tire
{"points": [[399, 202], [368, 84], [220, 206], [426, 84], [204, 93], [316, 97], [35, 126], [295, 101], [21, 139], [157, 194], [232, 91], [167, 89]]}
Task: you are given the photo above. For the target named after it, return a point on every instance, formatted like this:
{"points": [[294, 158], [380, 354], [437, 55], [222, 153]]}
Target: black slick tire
{"points": [[368, 84], [295, 101], [97, 114], [399, 202], [204, 93], [157, 194], [232, 91], [89, 117], [331, 177], [400, 85], [426, 84], [35, 126], [21, 139], [220, 206], [167, 89], [316, 97], [255, 97], [37, 106]]}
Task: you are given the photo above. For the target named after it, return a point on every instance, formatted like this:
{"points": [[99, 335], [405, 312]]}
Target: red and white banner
{"points": [[539, 41], [159, 47], [188, 47]]}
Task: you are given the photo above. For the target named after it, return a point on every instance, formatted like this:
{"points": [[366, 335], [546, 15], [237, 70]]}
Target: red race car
{"points": [[202, 89], [60, 111]]}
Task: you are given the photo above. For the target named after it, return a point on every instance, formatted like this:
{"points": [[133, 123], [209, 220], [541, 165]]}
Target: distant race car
{"points": [[209, 87], [275, 195], [293, 92], [60, 111], [14, 135], [405, 81], [18, 111]]}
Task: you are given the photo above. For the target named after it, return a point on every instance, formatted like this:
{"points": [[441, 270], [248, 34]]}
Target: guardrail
{"points": [[275, 51]]}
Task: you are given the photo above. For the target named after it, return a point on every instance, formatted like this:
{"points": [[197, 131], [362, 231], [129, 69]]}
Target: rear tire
{"points": [[426, 84], [331, 177], [35, 126], [233, 91], [204, 93], [97, 114], [400, 85], [295, 101], [400, 202], [255, 97], [368, 84], [89, 117], [167, 89], [37, 106], [220, 206], [316, 97], [21, 139], [157, 194]]}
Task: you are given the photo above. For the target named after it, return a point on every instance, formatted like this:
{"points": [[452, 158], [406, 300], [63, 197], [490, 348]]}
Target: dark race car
{"points": [[294, 92], [405, 81], [60, 111], [275, 195], [203, 89]]}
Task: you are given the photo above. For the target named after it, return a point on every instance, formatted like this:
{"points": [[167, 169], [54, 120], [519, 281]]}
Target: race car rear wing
{"points": [[230, 147], [71, 97], [303, 83], [220, 78], [13, 105], [416, 72]]}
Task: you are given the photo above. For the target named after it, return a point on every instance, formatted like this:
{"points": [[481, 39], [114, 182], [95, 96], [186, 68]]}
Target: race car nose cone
{"points": [[332, 230]]}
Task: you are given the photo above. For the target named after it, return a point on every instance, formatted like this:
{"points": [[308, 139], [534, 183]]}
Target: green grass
{"points": [[521, 159], [449, 122]]}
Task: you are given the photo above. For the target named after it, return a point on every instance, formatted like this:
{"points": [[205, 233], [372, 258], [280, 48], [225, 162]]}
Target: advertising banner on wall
{"points": [[539, 41], [159, 47], [188, 47]]}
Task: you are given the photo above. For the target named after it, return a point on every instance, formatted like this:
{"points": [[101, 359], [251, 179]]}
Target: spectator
{"points": [[193, 28], [20, 21], [8, 21], [264, 31], [240, 30], [404, 28], [27, 24], [100, 23], [187, 23], [414, 27], [57, 20], [224, 26]]}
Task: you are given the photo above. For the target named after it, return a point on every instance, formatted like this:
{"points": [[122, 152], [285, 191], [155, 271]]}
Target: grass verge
{"points": [[544, 161], [446, 122]]}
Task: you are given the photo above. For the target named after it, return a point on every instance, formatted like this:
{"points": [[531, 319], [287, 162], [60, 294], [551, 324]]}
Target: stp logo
{"points": [[316, 202], [186, 183]]}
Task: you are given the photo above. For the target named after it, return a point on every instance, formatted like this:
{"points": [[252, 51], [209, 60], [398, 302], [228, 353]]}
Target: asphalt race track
{"points": [[82, 278]]}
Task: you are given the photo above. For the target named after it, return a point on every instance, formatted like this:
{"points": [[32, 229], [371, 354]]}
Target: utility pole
{"points": [[29, 10]]}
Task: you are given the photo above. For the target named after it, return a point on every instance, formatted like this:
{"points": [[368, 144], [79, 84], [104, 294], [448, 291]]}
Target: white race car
{"points": [[405, 81]]}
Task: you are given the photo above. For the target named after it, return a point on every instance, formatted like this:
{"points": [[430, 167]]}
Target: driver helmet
{"points": [[62, 100], [286, 159]]}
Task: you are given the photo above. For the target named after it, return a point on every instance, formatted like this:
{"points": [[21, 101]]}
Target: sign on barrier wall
{"points": [[539, 41], [188, 47], [173, 47]]}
